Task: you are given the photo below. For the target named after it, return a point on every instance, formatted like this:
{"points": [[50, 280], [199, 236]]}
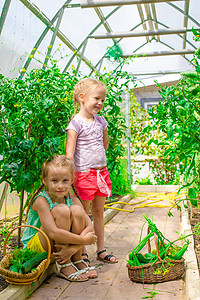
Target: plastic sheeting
{"points": [[26, 22]]}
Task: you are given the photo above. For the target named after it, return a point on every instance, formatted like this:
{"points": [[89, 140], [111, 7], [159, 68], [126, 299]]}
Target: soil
{"points": [[194, 219], [12, 244]]}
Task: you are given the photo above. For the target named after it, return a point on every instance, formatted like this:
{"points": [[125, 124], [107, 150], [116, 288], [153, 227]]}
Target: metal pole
{"points": [[111, 35], [97, 3], [4, 14], [159, 72], [128, 135], [53, 38], [80, 59], [160, 53]]}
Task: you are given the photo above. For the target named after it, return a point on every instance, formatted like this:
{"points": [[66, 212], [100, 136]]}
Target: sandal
{"points": [[106, 258], [86, 259], [87, 268], [72, 277]]}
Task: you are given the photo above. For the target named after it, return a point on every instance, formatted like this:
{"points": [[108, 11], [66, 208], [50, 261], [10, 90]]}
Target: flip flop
{"points": [[73, 277], [106, 258]]}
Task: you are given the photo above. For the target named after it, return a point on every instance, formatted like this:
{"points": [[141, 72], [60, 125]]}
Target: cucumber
{"points": [[141, 258], [149, 256], [31, 263]]}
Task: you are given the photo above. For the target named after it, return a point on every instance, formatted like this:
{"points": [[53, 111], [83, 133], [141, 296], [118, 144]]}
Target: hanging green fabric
{"points": [[115, 53]]}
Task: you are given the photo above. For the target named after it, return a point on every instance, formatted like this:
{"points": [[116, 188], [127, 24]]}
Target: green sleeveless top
{"points": [[33, 218]]}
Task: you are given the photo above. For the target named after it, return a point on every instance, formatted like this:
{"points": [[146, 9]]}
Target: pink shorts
{"points": [[93, 183]]}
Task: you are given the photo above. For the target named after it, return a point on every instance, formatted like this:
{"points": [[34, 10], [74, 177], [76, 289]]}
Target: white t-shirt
{"points": [[89, 151]]}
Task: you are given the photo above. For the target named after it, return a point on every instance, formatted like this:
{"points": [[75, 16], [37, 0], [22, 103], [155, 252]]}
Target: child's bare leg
{"points": [[63, 219], [78, 225], [98, 220], [86, 206]]}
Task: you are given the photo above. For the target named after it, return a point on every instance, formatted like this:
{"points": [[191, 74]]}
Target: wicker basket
{"points": [[147, 272], [18, 278]]}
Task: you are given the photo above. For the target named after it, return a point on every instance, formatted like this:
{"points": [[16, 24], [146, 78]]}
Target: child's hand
{"points": [[64, 252], [91, 238]]}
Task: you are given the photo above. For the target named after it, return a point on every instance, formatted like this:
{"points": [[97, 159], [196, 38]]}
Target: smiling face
{"points": [[58, 182], [92, 102]]}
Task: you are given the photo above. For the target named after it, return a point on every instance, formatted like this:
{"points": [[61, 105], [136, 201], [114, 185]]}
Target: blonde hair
{"points": [[58, 161], [85, 86]]}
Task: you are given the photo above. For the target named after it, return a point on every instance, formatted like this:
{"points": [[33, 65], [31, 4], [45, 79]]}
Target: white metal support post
{"points": [[128, 135]]}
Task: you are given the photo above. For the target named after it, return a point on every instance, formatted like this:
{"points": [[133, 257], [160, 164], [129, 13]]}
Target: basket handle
{"points": [[156, 244], [42, 232], [157, 247]]}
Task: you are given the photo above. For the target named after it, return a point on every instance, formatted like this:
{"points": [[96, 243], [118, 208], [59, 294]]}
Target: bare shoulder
{"points": [[40, 203]]}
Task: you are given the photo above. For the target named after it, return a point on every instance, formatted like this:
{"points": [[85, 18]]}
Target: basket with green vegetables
{"points": [[24, 266], [166, 250], [163, 263], [25, 260]]}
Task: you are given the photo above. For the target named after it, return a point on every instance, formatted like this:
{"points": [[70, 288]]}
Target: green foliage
{"points": [[34, 113], [152, 294], [166, 250], [33, 116], [146, 139], [5, 230], [179, 119], [119, 178], [20, 256], [143, 181], [117, 83]]}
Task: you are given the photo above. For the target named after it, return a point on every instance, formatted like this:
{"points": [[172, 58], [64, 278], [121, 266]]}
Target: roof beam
{"points": [[98, 3], [102, 19], [4, 13], [91, 32], [181, 11], [159, 73], [40, 15], [153, 8], [160, 53], [111, 35], [149, 17], [187, 2], [141, 14]]}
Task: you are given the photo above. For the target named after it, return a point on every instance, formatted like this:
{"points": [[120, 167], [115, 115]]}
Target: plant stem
{"points": [[20, 216]]}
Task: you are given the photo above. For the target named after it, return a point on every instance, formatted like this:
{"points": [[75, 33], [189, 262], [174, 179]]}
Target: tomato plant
{"points": [[178, 117], [151, 142]]}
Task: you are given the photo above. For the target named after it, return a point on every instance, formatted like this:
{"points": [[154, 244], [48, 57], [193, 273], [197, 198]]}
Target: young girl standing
{"points": [[87, 141], [63, 219]]}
